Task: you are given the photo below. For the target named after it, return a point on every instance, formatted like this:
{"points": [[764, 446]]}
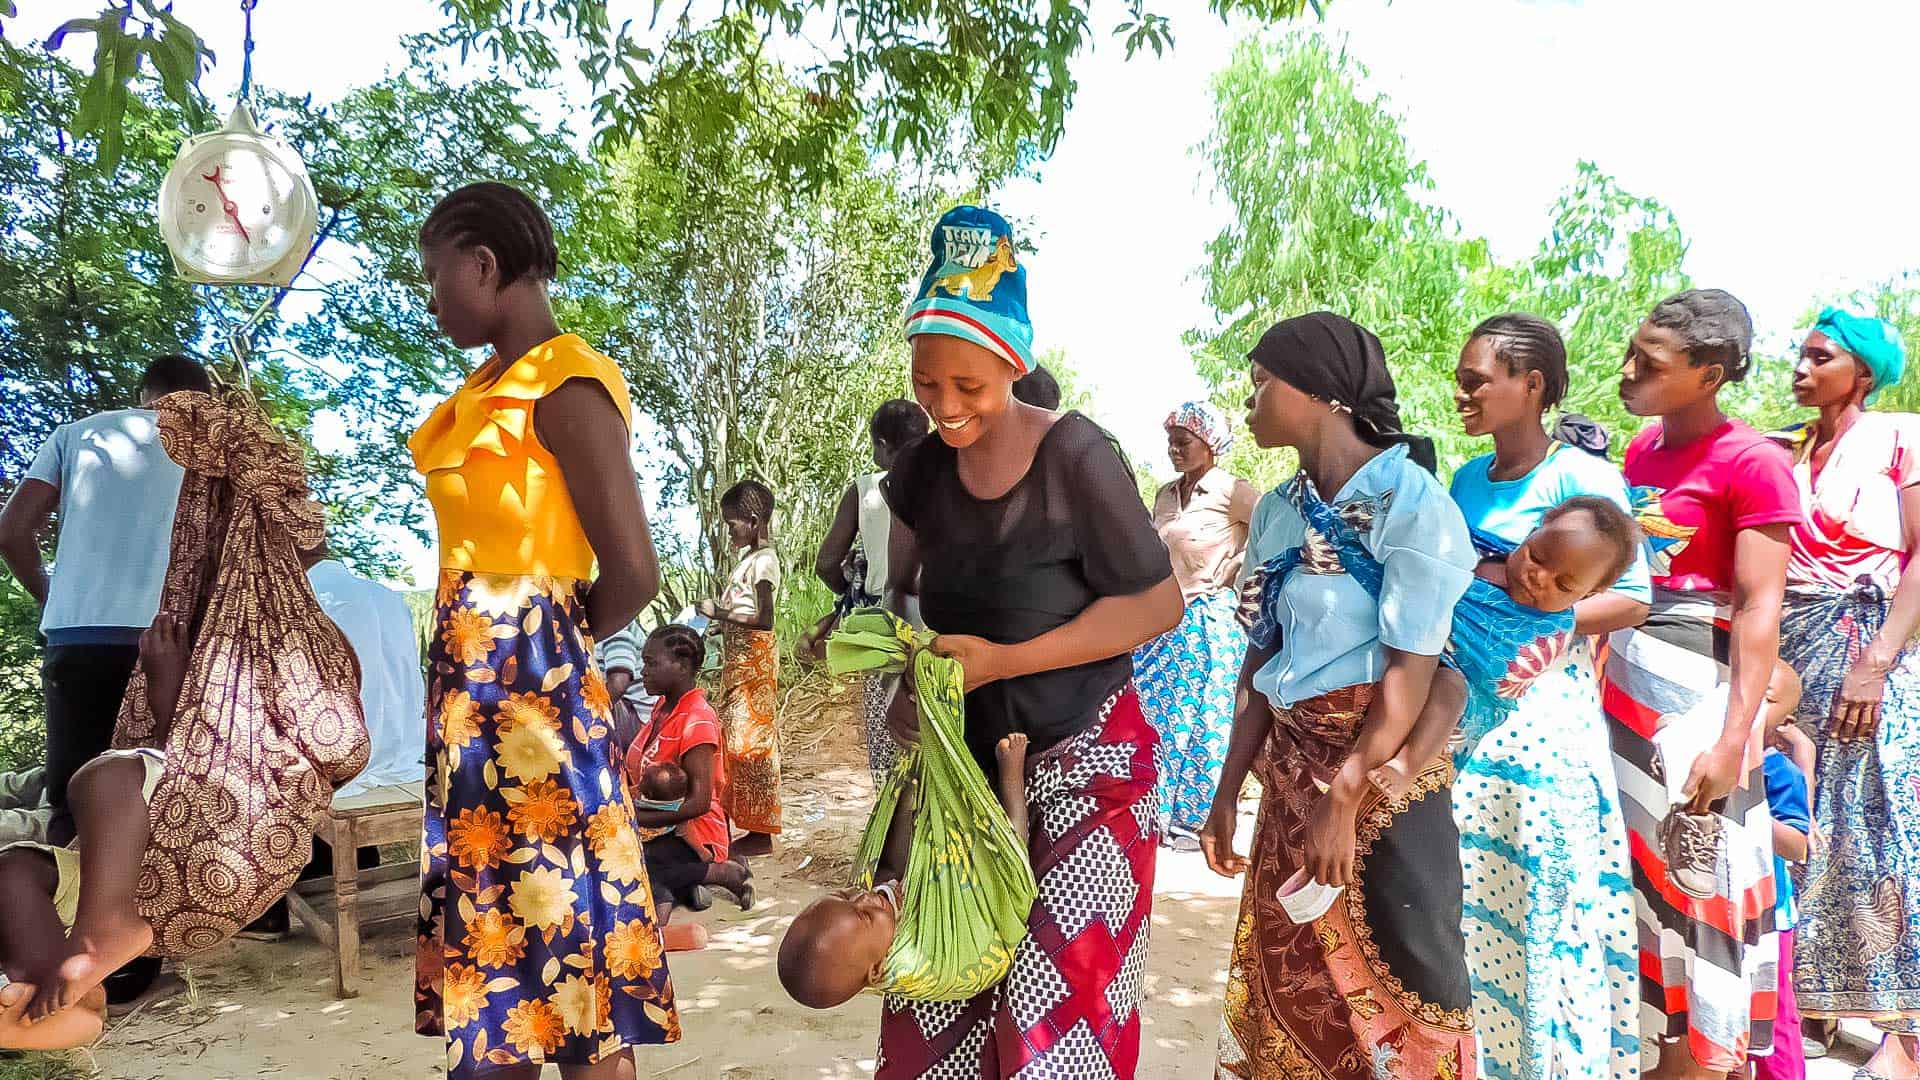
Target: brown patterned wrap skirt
{"points": [[1376, 987], [749, 719]]}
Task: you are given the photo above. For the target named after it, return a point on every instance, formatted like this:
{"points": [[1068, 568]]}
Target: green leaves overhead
{"points": [[916, 78], [1332, 209], [127, 37]]}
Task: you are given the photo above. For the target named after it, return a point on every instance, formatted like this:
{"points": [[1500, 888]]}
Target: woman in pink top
{"points": [[1683, 691], [683, 732]]}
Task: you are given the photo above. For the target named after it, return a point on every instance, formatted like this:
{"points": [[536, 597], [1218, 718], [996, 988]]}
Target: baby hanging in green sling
{"points": [[945, 881]]}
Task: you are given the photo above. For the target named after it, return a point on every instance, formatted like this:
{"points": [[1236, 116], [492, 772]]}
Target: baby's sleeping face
{"points": [[1560, 564], [837, 946]]}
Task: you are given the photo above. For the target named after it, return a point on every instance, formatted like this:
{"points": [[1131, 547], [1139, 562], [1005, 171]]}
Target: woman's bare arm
{"points": [[1252, 721], [1606, 612], [1753, 645], [1108, 627], [827, 565], [579, 424]]}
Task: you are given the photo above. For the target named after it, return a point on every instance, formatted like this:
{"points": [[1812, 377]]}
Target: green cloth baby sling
{"points": [[968, 887]]}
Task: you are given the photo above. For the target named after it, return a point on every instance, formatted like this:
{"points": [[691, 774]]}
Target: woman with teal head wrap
{"points": [[1850, 615], [1872, 343]]}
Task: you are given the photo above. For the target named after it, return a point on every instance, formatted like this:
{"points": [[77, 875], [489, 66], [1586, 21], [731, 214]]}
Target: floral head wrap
{"points": [[1206, 422]]}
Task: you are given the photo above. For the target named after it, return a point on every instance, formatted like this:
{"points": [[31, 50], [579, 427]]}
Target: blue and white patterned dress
{"points": [[1549, 901], [1186, 676]]}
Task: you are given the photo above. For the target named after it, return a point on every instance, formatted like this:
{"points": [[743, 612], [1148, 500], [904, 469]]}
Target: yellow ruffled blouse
{"points": [[501, 503]]}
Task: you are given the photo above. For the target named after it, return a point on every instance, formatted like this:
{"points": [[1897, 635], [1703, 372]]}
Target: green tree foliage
{"points": [[758, 330], [907, 74], [88, 295], [1332, 210], [127, 38]]}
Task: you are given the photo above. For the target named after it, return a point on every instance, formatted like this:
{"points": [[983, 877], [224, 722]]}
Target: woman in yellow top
{"points": [[538, 941]]}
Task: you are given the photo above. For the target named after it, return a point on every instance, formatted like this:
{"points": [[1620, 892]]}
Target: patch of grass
{"points": [[60, 1065]]}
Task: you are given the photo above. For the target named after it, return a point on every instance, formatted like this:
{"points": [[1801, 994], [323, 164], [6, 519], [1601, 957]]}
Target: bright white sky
{"points": [[1780, 133]]}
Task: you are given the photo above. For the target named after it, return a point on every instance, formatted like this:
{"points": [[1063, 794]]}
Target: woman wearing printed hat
{"points": [[1853, 604], [1371, 981], [1186, 677], [1041, 571]]}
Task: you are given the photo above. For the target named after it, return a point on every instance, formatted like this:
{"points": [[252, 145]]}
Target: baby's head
{"points": [[1783, 697], [1580, 549], [838, 946], [663, 783]]}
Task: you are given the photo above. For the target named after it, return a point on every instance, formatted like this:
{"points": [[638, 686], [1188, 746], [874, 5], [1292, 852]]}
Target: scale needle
{"points": [[233, 211]]}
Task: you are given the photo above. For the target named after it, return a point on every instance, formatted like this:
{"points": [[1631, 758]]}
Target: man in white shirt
{"points": [[115, 490], [393, 695], [393, 686]]}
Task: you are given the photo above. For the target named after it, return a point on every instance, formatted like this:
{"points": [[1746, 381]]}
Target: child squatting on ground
{"points": [[1580, 549], [838, 945], [70, 917]]}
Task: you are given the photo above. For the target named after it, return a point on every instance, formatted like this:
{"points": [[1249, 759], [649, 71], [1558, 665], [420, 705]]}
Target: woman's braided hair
{"points": [[502, 219], [750, 499], [680, 642]]}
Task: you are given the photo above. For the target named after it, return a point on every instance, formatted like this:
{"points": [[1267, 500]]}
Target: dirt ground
{"points": [[253, 1009]]}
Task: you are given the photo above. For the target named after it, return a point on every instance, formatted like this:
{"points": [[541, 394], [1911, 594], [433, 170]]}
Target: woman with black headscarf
{"points": [[1371, 980]]}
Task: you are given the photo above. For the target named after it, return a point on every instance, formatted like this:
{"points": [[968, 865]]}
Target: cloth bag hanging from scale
{"points": [[968, 885]]}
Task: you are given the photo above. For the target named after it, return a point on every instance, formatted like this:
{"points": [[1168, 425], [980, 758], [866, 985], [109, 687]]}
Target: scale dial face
{"points": [[232, 209]]}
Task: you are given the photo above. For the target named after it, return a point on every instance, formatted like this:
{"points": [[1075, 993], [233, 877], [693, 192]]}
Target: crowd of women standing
{"points": [[1551, 937], [1509, 909]]}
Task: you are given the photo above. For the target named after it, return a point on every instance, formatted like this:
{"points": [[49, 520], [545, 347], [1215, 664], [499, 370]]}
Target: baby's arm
{"points": [[1801, 749], [899, 846], [163, 655], [1431, 729], [1012, 782], [1789, 843]]}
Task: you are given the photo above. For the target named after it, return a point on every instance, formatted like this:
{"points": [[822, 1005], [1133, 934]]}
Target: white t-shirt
{"points": [[876, 522], [118, 491], [741, 598], [393, 689]]}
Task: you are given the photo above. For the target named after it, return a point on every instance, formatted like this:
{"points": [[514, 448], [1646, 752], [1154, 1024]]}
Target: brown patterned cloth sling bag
{"points": [[269, 720]]}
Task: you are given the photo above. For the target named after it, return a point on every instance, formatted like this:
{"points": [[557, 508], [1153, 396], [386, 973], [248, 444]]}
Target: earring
{"points": [[1339, 409]]}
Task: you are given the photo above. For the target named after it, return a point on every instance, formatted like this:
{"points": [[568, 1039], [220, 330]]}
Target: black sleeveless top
{"points": [[1073, 530]]}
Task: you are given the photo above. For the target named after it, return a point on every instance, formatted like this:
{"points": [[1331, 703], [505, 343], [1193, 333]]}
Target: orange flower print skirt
{"points": [[537, 941], [749, 677]]}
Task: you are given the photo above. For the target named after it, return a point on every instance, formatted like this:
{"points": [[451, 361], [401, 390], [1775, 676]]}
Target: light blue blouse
{"points": [[1511, 509], [1331, 630]]}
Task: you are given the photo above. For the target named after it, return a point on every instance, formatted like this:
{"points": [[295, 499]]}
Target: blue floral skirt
{"points": [[536, 940], [1186, 681]]}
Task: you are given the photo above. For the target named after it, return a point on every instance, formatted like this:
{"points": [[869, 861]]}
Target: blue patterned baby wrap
{"points": [[1498, 645]]}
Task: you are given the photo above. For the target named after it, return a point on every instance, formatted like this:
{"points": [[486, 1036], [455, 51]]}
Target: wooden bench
{"points": [[336, 908]]}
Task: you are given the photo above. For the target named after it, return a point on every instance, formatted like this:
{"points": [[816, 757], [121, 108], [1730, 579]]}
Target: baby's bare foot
{"points": [[1394, 779], [1011, 753], [98, 950]]}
